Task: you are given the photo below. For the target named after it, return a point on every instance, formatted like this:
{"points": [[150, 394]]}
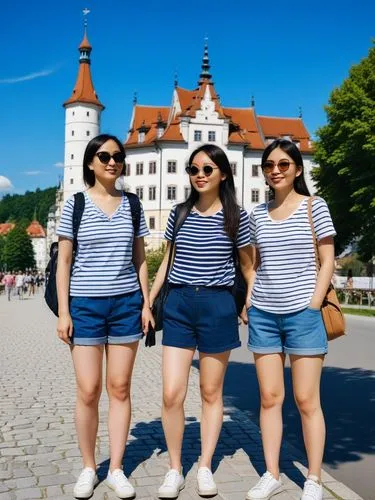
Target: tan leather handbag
{"points": [[332, 314]]}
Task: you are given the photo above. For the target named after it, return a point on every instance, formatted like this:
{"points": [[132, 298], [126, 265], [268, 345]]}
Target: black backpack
{"points": [[50, 294]]}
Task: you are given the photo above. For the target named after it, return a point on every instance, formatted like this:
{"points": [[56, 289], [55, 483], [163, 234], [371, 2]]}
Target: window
{"points": [[233, 166], [139, 192], [255, 170], [151, 222], [152, 167], [87, 133], [71, 181], [211, 136], [197, 135], [72, 157], [186, 192], [72, 132], [171, 192], [73, 113], [255, 196], [267, 195], [141, 137], [87, 113], [139, 168], [172, 167], [127, 169], [152, 193]]}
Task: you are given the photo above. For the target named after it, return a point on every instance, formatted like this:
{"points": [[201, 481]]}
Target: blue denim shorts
{"points": [[301, 333], [201, 317], [106, 320]]}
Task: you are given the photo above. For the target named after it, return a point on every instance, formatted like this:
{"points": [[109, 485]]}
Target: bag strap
{"points": [[180, 216], [135, 208], [315, 242], [79, 206]]}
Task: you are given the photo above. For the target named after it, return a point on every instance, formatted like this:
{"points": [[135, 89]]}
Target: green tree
{"points": [[345, 152], [18, 250], [16, 207], [2, 244], [154, 259]]}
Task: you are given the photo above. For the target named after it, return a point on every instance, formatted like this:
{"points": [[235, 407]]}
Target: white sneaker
{"points": [[172, 485], [266, 487], [120, 484], [86, 482], [312, 490], [206, 483]]}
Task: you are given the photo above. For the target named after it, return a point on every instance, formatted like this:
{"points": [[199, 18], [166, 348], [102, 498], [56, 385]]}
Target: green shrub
{"points": [[154, 259]]}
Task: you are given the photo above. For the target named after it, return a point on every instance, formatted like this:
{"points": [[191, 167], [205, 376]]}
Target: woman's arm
{"points": [[64, 263], [160, 275], [326, 251], [140, 264], [249, 261]]}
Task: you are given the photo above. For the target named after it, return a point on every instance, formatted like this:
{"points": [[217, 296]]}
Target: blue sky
{"points": [[287, 54]]}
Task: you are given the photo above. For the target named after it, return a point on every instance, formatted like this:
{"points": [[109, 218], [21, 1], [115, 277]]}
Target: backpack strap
{"points": [[135, 208], [180, 216], [79, 206]]}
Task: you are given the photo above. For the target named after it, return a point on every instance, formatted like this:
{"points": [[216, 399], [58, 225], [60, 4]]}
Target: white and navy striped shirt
{"points": [[103, 265], [286, 277], [204, 251]]}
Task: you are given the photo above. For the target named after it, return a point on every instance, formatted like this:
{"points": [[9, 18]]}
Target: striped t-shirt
{"points": [[103, 265], [286, 276], [204, 251]]}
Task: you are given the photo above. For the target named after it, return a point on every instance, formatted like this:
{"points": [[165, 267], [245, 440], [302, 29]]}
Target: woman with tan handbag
{"points": [[284, 311]]}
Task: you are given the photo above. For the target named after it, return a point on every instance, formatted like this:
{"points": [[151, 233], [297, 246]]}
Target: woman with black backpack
{"points": [[200, 311], [103, 305]]}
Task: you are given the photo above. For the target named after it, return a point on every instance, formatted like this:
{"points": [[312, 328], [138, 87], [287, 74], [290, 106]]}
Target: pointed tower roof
{"points": [[84, 89], [205, 75]]}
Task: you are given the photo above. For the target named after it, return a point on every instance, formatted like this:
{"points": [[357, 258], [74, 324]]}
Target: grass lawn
{"points": [[359, 312]]}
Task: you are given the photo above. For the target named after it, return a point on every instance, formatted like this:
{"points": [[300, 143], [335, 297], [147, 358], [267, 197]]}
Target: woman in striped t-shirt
{"points": [[200, 311], [284, 317], [101, 309]]}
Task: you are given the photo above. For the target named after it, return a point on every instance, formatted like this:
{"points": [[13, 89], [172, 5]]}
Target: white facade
{"points": [[159, 189], [82, 123], [40, 252]]}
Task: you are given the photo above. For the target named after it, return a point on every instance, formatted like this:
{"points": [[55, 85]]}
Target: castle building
{"points": [[161, 138]]}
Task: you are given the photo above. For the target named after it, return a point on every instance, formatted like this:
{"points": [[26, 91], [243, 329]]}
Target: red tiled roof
{"points": [[84, 89], [35, 230], [246, 127], [6, 227], [274, 127], [172, 133], [148, 117]]}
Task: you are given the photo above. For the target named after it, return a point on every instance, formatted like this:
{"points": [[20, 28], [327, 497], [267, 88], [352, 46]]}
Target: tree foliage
{"points": [[18, 252], [17, 207], [345, 152], [154, 259]]}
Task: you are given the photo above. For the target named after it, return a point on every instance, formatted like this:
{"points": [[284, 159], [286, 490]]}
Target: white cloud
{"points": [[30, 76], [59, 164], [5, 183], [33, 172]]}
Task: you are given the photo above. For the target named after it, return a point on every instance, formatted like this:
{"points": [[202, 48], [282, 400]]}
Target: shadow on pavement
{"points": [[348, 400]]}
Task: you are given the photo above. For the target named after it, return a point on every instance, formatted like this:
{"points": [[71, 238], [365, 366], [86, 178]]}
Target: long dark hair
{"points": [[227, 191], [90, 151], [291, 150]]}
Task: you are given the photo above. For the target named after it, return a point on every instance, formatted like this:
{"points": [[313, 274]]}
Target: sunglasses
{"points": [[282, 165], [105, 157], [207, 170]]}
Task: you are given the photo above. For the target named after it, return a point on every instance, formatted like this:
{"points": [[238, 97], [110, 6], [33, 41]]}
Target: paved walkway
{"points": [[39, 457]]}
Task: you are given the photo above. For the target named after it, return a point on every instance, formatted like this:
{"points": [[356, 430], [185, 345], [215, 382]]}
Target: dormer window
{"points": [[141, 136]]}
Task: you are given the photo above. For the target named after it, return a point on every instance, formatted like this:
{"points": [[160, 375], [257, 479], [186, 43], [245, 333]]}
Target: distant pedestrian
{"points": [[20, 283], [9, 282]]}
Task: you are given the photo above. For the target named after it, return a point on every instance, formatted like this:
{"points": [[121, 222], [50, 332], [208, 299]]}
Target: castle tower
{"points": [[82, 121]]}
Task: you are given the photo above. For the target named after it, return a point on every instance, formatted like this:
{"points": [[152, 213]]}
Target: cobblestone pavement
{"points": [[39, 457]]}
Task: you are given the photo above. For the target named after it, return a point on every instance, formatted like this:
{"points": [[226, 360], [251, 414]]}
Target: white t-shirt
{"points": [[286, 277]]}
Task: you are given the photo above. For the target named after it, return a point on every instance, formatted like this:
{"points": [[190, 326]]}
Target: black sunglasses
{"points": [[105, 157], [207, 170], [282, 165]]}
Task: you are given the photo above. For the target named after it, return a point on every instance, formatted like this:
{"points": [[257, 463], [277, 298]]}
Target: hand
{"points": [[314, 305], [65, 328], [147, 318], [244, 316]]}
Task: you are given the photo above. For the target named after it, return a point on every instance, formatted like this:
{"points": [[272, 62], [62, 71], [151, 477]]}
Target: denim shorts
{"points": [[200, 317], [301, 333], [106, 320]]}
